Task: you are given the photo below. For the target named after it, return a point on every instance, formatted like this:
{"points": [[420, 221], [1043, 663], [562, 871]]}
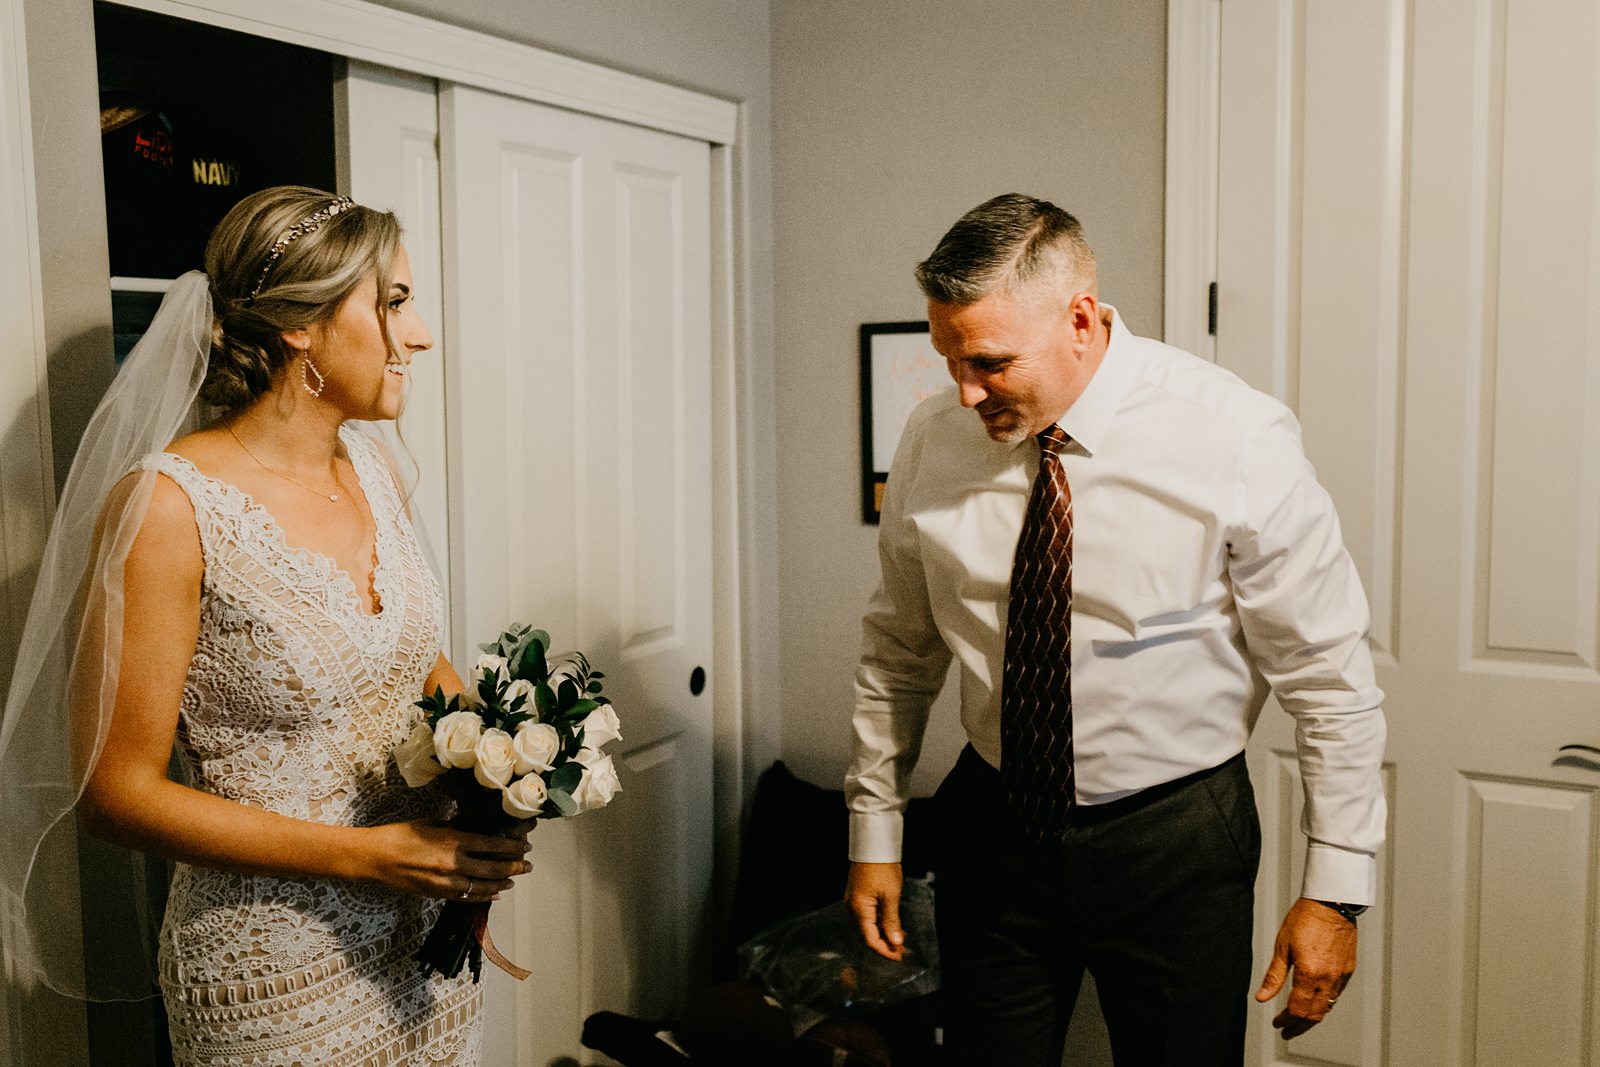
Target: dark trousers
{"points": [[1152, 894]]}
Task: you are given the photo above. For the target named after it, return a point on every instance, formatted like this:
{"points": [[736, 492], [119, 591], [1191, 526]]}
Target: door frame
{"points": [[357, 29], [1193, 70], [27, 495], [360, 30]]}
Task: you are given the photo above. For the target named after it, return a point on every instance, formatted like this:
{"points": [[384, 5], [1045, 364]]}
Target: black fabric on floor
{"points": [[793, 860]]}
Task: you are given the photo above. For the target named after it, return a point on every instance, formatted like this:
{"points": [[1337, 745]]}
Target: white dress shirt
{"points": [[1207, 566]]}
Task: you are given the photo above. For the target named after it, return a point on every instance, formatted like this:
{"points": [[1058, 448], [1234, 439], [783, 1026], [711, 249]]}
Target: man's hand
{"points": [[1320, 944], [873, 893]]}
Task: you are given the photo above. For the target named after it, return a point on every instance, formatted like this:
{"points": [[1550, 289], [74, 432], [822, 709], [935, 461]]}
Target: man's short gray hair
{"points": [[1005, 244]]}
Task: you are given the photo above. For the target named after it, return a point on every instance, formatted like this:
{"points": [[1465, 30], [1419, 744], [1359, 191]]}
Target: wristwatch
{"points": [[1349, 911]]}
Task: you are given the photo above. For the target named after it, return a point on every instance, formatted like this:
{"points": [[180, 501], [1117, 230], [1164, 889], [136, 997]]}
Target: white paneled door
{"points": [[577, 282], [1409, 252]]}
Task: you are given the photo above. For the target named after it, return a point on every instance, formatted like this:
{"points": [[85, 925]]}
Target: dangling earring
{"points": [[307, 369]]}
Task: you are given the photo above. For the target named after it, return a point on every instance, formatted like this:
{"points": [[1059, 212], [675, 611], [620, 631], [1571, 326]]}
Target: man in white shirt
{"points": [[1179, 556]]}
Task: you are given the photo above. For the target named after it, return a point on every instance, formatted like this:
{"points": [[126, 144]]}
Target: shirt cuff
{"points": [[875, 838], [1341, 876]]}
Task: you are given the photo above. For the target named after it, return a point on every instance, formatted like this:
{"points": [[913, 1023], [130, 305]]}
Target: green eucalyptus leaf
{"points": [[514, 657], [566, 777], [543, 699], [564, 802]]}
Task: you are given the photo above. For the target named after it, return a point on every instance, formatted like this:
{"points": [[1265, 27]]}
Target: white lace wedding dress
{"points": [[294, 701]]}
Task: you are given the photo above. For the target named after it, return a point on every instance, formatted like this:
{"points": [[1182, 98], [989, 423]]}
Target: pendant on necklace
{"points": [[333, 496]]}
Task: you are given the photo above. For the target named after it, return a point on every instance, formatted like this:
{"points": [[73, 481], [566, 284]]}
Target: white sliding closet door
{"points": [[577, 289], [388, 124], [1409, 252]]}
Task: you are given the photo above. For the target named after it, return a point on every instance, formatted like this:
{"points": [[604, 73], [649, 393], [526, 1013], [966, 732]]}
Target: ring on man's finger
{"points": [[464, 893]]}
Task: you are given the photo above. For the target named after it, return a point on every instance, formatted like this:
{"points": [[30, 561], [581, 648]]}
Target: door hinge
{"points": [[1211, 310]]}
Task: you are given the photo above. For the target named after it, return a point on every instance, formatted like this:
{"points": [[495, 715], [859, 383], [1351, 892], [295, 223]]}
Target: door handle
{"points": [[1575, 755]]}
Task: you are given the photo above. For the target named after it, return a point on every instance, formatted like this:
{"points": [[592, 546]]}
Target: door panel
{"points": [[1407, 252], [1540, 599], [1526, 979], [580, 275]]}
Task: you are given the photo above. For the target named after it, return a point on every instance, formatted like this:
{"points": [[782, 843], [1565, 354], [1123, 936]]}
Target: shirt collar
{"points": [[1089, 417]]}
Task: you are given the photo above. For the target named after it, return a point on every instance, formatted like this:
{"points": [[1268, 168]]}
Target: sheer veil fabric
{"points": [[67, 672], [55, 883]]}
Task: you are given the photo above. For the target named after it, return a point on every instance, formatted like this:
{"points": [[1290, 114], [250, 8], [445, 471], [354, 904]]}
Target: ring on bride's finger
{"points": [[465, 893]]}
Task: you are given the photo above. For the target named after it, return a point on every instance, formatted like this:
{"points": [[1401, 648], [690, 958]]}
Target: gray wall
{"points": [[890, 120]]}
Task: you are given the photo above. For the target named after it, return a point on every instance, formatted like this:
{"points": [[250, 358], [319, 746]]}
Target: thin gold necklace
{"points": [[334, 497]]}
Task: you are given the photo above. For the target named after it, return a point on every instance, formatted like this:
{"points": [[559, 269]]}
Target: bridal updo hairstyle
{"points": [[312, 275]]}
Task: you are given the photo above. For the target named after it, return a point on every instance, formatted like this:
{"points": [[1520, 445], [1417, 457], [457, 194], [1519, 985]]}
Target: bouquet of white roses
{"points": [[523, 741]]}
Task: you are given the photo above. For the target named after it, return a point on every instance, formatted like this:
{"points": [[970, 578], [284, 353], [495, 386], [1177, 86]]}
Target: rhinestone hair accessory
{"points": [[309, 224]]}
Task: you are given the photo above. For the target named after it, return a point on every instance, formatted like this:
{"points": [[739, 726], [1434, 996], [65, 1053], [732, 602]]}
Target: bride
{"points": [[255, 592]]}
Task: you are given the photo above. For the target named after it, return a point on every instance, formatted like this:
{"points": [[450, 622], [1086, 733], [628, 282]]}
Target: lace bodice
{"points": [[295, 699]]}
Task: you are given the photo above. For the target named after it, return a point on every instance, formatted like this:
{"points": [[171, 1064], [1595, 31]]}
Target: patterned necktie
{"points": [[1036, 694]]}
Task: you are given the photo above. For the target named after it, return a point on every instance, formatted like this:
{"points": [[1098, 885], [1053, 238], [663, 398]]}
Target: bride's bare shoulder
{"points": [[209, 449], [166, 534], [169, 535]]}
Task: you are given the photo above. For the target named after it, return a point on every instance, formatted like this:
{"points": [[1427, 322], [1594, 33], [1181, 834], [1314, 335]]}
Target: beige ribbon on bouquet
{"points": [[480, 930]]}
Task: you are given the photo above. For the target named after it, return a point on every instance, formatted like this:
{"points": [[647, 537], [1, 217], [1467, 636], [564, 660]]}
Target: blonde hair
{"points": [[257, 296]]}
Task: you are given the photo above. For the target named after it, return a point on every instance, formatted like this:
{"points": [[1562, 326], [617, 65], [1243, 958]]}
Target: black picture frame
{"points": [[899, 368]]}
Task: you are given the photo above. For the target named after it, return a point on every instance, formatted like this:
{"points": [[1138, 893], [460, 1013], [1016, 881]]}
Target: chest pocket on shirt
{"points": [[1147, 568]]}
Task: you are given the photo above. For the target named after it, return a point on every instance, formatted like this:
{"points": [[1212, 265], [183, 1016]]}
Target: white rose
{"points": [[599, 782], [455, 738], [536, 745], [525, 797], [495, 759], [588, 755], [523, 688], [418, 765], [600, 727], [490, 665]]}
